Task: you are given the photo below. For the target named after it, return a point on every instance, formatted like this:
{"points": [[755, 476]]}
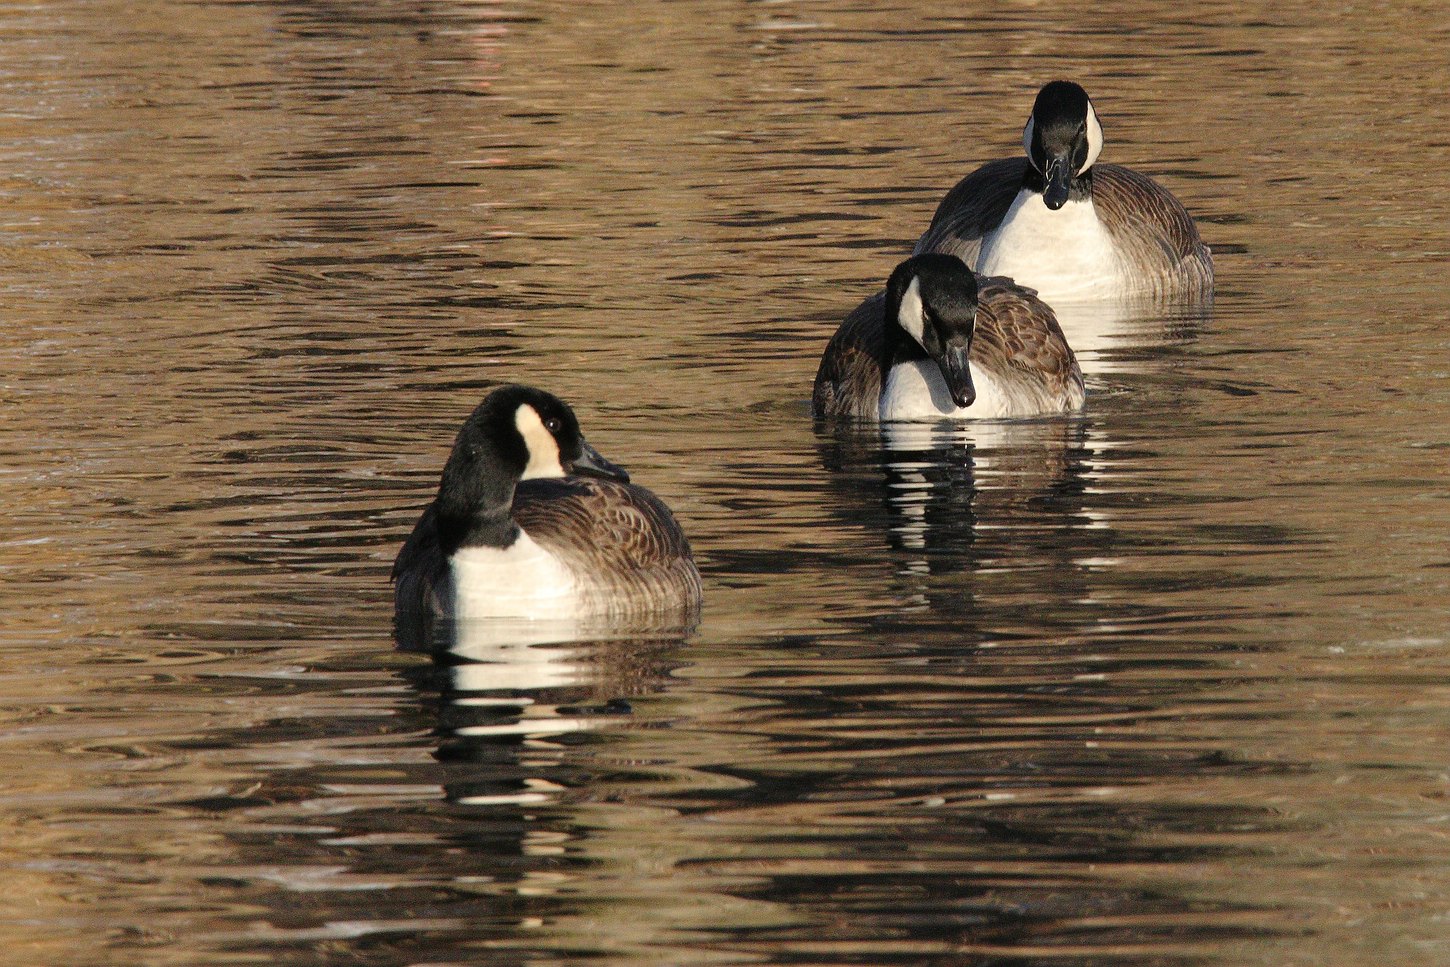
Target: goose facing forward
{"points": [[942, 344], [1060, 223], [531, 522]]}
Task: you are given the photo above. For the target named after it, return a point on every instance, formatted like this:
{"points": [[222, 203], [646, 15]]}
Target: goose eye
{"points": [[553, 424]]}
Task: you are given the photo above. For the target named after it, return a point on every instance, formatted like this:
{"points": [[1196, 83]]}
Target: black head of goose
{"points": [[530, 521], [1062, 139], [930, 317], [1066, 225], [942, 342]]}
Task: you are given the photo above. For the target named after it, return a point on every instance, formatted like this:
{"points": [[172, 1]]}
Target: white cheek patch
{"points": [[543, 449], [1027, 136], [1094, 138], [909, 316]]}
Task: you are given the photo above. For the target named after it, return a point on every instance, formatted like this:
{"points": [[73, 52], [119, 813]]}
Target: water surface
{"points": [[1163, 683]]}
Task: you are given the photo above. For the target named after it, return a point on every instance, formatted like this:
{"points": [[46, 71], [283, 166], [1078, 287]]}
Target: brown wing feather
{"points": [[619, 539], [848, 381], [1018, 334], [972, 209], [1154, 231]]}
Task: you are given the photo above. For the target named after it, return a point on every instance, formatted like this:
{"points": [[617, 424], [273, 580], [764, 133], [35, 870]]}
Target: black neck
{"points": [[900, 348], [906, 350], [476, 497], [1080, 188], [492, 529]]}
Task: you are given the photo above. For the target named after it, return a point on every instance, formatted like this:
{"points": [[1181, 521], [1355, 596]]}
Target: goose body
{"points": [[941, 343], [522, 579], [914, 391], [1068, 227], [530, 522]]}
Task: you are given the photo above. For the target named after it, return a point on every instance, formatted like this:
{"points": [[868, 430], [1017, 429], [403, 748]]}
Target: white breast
{"points": [[1063, 254], [916, 391], [522, 580]]}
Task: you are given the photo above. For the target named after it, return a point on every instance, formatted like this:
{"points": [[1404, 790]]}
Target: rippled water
{"points": [[1166, 683]]}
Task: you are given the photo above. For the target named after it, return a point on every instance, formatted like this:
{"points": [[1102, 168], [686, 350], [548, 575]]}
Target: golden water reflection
{"points": [[1160, 683]]}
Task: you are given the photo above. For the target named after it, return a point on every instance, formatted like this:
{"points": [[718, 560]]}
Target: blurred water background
{"points": [[1162, 684]]}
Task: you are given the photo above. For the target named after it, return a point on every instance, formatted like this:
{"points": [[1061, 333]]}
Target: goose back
{"points": [[620, 541]]}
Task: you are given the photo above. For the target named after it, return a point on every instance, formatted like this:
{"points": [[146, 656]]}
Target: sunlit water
{"points": [[1163, 683]]}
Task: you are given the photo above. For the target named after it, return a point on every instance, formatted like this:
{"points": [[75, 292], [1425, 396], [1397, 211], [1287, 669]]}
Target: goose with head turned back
{"points": [[1059, 222], [531, 522], [943, 344]]}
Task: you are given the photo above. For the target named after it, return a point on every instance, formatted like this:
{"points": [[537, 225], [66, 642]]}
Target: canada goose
{"points": [[1069, 228], [942, 343], [519, 530]]}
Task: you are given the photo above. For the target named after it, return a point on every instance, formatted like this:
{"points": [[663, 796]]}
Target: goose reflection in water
{"points": [[506, 688], [1109, 336], [962, 497], [534, 720]]}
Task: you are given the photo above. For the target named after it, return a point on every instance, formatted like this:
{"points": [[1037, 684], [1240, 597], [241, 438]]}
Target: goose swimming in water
{"points": [[531, 522], [943, 344], [1060, 223]]}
